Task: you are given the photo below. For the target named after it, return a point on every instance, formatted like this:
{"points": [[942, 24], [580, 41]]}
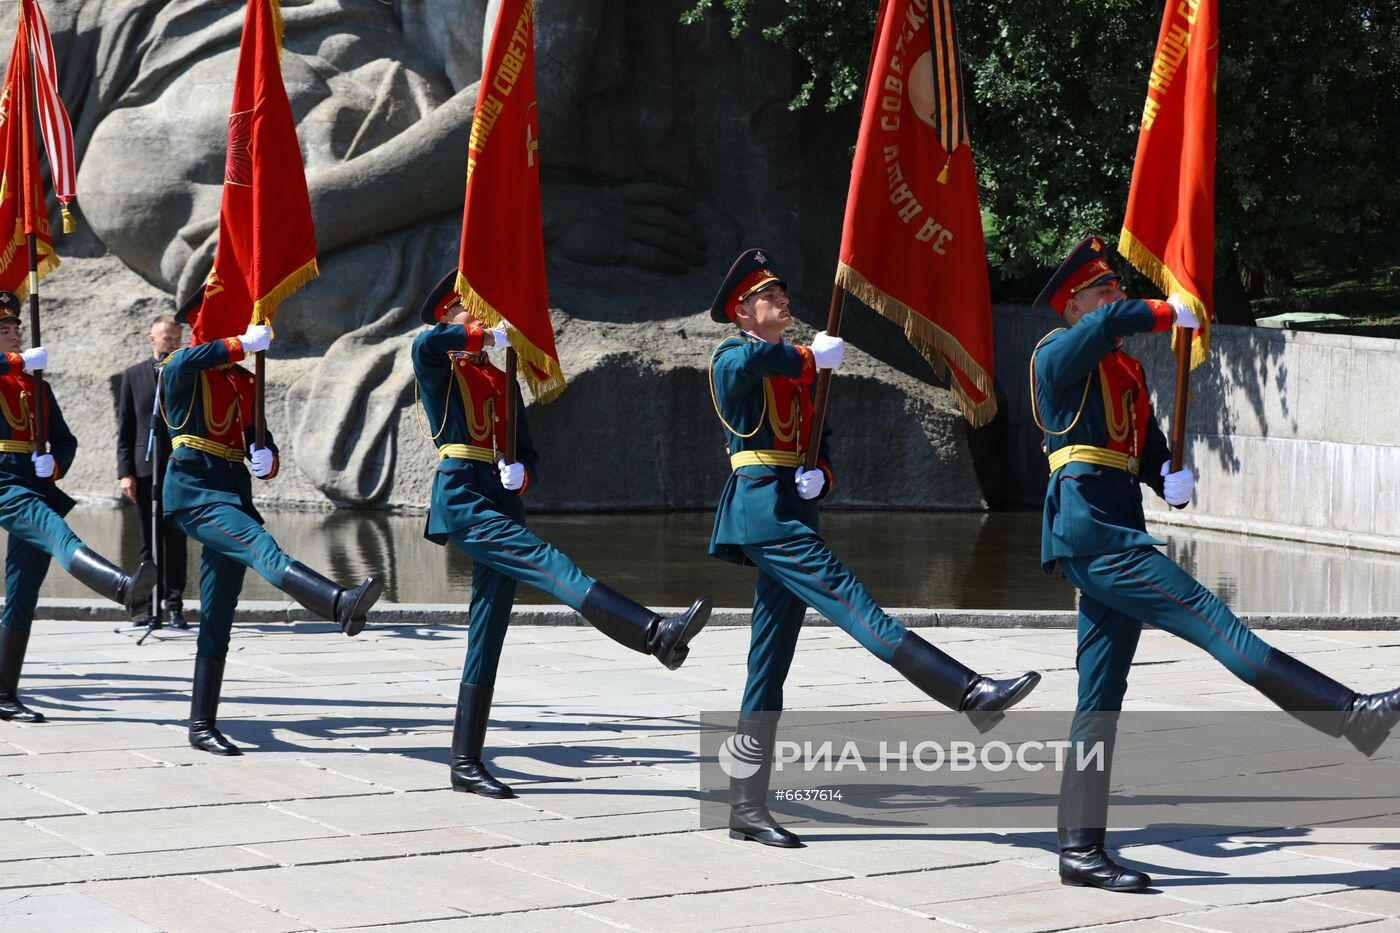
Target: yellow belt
{"points": [[1101, 456], [205, 445], [775, 458], [18, 447], [466, 452]]}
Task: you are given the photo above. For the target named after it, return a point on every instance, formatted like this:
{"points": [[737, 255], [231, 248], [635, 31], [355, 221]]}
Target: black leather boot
{"points": [[1365, 719], [347, 607], [469, 774], [958, 687], [637, 627], [752, 747], [102, 577], [13, 643], [1085, 864], [1082, 815], [174, 612], [204, 708]]}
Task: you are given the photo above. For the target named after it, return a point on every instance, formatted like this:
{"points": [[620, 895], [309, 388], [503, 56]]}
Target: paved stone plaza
{"points": [[339, 816]]}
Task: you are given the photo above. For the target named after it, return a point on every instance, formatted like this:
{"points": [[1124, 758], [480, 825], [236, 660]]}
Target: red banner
{"points": [[500, 275], [912, 245], [1169, 226], [22, 209], [267, 244], [53, 118]]}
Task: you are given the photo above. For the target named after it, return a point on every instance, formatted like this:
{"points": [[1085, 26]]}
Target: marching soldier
{"points": [[476, 505], [32, 509], [207, 401], [1091, 402], [768, 517]]}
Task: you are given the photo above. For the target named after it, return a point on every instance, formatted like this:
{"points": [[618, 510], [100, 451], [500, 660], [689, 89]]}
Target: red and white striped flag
{"points": [[53, 119]]}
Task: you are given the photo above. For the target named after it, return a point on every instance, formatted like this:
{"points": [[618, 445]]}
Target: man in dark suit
{"points": [[135, 399]]}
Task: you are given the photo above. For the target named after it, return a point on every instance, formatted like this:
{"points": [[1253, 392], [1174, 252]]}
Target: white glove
{"points": [[512, 475], [36, 358], [256, 339], [1185, 317], [810, 483], [262, 461], [1177, 487], [43, 464], [827, 350], [498, 336]]}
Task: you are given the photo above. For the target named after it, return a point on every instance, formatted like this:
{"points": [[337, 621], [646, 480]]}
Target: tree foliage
{"points": [[1306, 106]]}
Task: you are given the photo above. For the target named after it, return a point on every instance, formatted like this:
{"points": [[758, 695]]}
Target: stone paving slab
{"points": [[190, 827], [50, 910], [339, 816], [190, 904]]}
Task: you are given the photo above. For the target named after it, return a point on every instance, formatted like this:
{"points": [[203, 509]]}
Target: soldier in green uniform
{"points": [[32, 508], [1103, 443], [476, 505], [207, 401], [768, 517]]}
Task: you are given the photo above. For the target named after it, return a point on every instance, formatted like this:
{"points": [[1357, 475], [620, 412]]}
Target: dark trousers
{"points": [[176, 559], [504, 552], [233, 541], [792, 575], [37, 533], [1117, 594]]}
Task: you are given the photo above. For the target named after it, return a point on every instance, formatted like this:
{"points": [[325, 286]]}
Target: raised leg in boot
{"points": [[806, 570], [204, 708], [132, 591], [512, 549], [666, 638], [1364, 719], [348, 607], [238, 536], [469, 773], [959, 687]]}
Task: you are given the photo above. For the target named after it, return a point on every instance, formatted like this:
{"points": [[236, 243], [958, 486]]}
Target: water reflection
{"points": [[955, 560]]}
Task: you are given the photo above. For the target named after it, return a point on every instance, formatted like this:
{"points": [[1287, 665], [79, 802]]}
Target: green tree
{"points": [[1306, 109]]}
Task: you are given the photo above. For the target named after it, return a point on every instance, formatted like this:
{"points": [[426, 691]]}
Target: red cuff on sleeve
{"points": [[234, 346], [15, 361], [809, 365], [476, 338], [1163, 315]]}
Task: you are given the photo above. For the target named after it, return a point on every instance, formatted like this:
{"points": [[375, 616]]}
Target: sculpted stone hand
{"points": [[649, 225]]}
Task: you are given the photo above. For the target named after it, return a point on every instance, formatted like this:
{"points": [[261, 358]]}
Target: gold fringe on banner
{"points": [[279, 25], [936, 345], [1146, 262], [544, 390], [265, 308], [48, 259]]}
